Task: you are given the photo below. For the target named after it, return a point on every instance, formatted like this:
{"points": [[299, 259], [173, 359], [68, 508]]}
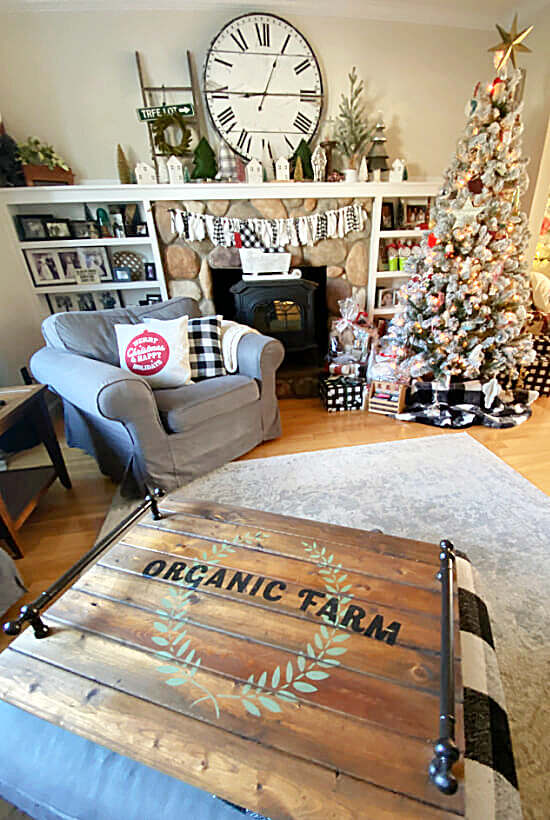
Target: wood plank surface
{"points": [[272, 783], [264, 632]]}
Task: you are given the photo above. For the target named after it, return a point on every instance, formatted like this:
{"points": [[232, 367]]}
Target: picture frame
{"points": [[70, 262], [69, 302], [122, 274], [31, 227], [416, 215], [80, 229], [96, 257], [150, 272], [45, 267], [385, 297], [141, 229], [57, 228], [387, 219]]}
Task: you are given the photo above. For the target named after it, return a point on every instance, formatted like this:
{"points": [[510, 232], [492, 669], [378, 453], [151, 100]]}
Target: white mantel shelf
{"points": [[215, 190]]}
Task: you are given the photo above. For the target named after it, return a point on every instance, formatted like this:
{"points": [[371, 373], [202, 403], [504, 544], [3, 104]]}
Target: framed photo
{"points": [[122, 274], [71, 263], [30, 227], [388, 216], [140, 229], [416, 216], [45, 267], [385, 298], [96, 258], [150, 271], [99, 300], [57, 228]]}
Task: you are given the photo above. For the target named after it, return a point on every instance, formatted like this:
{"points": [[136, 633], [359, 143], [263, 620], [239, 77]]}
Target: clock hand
{"points": [[268, 81]]}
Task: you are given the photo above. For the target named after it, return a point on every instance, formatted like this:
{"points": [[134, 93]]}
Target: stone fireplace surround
{"points": [[188, 264]]}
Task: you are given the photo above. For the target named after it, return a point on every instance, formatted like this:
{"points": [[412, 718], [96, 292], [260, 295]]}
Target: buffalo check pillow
{"points": [[205, 347]]}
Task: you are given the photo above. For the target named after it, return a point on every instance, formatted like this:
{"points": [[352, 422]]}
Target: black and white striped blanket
{"points": [[489, 771]]}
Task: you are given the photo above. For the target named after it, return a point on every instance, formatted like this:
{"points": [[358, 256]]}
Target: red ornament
{"points": [[432, 240], [475, 185]]}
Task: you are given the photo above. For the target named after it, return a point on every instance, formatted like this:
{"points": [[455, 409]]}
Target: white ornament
{"points": [[254, 172], [397, 171], [145, 174], [319, 164], [162, 167], [364, 171], [377, 175], [467, 214], [282, 169], [175, 171]]}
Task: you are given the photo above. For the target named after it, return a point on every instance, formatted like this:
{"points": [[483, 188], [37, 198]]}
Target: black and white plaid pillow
{"points": [[205, 347]]}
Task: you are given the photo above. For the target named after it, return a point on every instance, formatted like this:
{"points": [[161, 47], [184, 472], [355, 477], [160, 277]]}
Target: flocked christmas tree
{"points": [[462, 311]]}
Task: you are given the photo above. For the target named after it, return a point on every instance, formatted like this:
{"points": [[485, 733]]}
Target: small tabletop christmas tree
{"points": [[303, 152], [205, 166], [377, 156], [461, 314], [352, 131]]}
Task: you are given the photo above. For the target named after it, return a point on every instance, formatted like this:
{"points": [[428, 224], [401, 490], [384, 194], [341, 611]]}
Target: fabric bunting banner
{"points": [[270, 233]]}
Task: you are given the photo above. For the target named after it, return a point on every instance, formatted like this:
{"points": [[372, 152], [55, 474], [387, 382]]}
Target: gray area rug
{"points": [[447, 486]]}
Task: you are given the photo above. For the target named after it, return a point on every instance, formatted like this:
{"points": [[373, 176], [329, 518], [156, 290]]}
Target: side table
{"points": [[20, 490]]}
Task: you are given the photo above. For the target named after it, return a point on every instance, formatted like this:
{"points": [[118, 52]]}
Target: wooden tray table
{"points": [[287, 666]]}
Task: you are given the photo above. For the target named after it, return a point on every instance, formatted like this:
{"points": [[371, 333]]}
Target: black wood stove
{"points": [[284, 310]]}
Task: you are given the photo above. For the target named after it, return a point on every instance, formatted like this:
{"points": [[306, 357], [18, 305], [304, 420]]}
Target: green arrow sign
{"points": [[150, 114]]}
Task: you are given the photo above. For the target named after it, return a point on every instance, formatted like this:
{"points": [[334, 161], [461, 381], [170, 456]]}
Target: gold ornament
{"points": [[511, 42]]}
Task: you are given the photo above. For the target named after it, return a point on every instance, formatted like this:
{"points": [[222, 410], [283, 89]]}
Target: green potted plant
{"points": [[352, 131], [42, 164]]}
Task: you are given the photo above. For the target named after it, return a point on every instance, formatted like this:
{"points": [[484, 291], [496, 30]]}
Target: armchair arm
{"points": [[106, 391], [258, 357]]}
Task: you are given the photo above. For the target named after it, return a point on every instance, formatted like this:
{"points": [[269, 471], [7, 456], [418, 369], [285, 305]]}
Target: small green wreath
{"points": [[162, 145]]}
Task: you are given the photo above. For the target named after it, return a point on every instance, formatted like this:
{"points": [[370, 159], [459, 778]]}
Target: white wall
{"points": [[70, 79]]}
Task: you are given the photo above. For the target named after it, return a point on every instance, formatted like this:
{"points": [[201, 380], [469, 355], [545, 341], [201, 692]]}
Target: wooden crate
{"points": [[386, 397]]}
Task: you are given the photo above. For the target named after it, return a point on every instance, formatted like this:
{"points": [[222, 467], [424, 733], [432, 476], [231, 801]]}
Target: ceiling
{"points": [[473, 14]]}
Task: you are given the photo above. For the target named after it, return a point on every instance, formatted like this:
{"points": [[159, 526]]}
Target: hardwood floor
{"points": [[66, 522]]}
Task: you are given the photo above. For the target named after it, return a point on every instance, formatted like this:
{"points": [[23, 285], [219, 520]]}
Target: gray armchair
{"points": [[153, 437]]}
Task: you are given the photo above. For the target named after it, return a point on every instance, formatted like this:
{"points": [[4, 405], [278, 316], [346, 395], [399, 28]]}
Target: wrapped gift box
{"points": [[342, 393], [537, 375]]}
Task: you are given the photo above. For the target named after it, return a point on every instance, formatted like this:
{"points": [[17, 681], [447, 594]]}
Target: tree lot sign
{"points": [[150, 114]]}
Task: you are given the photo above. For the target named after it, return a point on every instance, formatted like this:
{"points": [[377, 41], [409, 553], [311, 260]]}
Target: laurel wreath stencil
{"points": [[272, 688]]}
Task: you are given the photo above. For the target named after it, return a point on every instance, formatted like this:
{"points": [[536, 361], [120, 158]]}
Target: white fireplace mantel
{"points": [[216, 190]]}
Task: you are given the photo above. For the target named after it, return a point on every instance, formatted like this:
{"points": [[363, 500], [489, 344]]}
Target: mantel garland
{"points": [[272, 233]]}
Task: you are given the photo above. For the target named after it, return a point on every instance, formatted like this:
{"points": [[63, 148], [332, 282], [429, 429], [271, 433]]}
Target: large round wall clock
{"points": [[263, 86]]}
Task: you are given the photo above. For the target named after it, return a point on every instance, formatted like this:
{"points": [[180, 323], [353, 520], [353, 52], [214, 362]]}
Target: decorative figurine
{"points": [[397, 170], [145, 174], [254, 172], [227, 164], [282, 169], [319, 164], [364, 171], [175, 171]]}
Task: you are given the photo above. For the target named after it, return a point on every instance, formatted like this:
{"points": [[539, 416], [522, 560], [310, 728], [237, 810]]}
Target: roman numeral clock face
{"points": [[263, 86]]}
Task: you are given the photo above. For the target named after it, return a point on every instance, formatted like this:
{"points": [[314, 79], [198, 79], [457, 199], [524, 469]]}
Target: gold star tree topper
{"points": [[512, 41]]}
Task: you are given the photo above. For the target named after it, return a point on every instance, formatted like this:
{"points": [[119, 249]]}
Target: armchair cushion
{"points": [[92, 334], [184, 407]]}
